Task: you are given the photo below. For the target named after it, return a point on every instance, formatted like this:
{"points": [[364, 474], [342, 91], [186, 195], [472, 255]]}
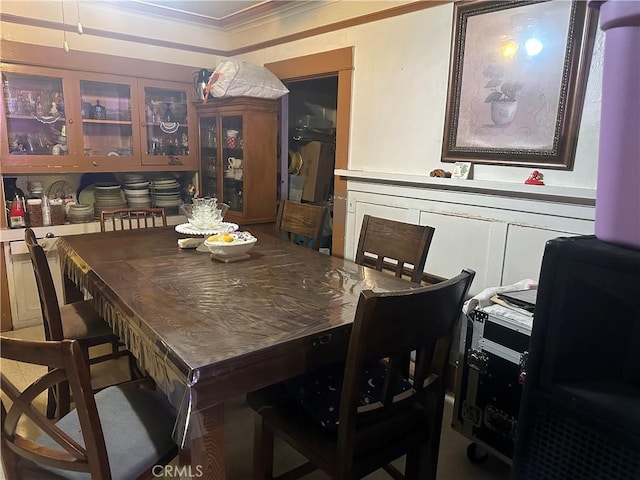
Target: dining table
{"points": [[207, 331]]}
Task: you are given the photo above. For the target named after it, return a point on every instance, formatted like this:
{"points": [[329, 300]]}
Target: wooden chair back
{"points": [[51, 316], [130, 218], [391, 326], [66, 362], [388, 328], [56, 318], [301, 220], [392, 245]]}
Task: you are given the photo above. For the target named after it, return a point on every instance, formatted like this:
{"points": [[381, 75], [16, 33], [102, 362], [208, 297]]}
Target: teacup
{"points": [[234, 162], [237, 174]]}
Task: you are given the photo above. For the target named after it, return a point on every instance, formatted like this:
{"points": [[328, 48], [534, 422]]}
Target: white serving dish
{"points": [[188, 229], [242, 243]]}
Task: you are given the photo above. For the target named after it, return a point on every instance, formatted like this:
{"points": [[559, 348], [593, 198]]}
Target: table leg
{"points": [[205, 451]]}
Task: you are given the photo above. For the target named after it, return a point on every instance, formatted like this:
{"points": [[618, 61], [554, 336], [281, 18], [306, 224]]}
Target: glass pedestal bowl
{"points": [[205, 216]]}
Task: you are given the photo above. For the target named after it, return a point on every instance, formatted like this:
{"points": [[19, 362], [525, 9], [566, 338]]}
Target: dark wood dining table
{"points": [[207, 331]]}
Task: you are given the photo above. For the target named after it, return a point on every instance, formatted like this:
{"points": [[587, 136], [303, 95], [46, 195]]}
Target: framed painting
{"points": [[517, 77]]}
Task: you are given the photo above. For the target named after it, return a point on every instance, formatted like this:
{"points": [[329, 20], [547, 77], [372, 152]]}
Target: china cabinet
{"points": [[82, 121], [238, 156]]}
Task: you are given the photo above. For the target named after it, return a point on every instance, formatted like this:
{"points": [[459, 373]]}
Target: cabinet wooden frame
{"points": [[76, 159], [162, 160], [259, 155]]}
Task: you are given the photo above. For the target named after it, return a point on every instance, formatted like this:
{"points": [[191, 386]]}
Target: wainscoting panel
{"points": [[499, 235]]}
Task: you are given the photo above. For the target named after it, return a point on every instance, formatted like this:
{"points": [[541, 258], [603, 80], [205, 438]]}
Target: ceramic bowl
{"points": [[242, 242]]}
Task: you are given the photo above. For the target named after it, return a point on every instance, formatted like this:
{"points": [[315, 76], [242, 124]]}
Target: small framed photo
{"points": [[461, 170]]}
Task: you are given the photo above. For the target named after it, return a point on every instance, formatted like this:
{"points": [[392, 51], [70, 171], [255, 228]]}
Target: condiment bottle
{"points": [[46, 211], [16, 213]]}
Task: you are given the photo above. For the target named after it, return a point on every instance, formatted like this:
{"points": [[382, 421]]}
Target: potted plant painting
{"points": [[502, 95]]}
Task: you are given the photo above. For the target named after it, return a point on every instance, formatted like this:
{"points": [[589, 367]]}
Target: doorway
{"points": [[337, 64], [312, 108]]}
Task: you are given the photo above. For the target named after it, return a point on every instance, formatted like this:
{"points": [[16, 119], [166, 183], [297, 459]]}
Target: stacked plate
{"points": [[108, 196], [79, 213], [136, 191], [166, 194]]}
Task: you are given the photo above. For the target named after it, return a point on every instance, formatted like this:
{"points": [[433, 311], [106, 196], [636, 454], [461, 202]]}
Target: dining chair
{"points": [[355, 417], [301, 222], [130, 218], [77, 321], [121, 432], [392, 245]]}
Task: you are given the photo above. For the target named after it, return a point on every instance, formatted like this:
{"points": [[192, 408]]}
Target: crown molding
{"points": [[331, 27]]}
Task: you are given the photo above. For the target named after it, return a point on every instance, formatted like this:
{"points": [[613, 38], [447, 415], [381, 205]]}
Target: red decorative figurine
{"points": [[534, 179]]}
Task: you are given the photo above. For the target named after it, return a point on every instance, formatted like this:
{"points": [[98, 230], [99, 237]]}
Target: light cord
{"points": [[65, 45], [80, 30]]}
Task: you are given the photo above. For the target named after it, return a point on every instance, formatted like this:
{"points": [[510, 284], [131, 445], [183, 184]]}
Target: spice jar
{"points": [[34, 209], [57, 211], [16, 213]]}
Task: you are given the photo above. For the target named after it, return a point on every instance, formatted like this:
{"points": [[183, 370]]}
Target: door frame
{"points": [[335, 62]]}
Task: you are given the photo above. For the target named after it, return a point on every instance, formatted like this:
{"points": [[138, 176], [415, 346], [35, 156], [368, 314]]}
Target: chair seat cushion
{"points": [[80, 321], [137, 426], [319, 392]]}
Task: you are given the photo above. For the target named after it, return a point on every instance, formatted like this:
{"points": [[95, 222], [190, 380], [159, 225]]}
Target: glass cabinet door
{"points": [[209, 156], [35, 114], [166, 129], [232, 162], [107, 124]]}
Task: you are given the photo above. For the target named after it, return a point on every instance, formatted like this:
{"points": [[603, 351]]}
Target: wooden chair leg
{"points": [[422, 461], [262, 451]]}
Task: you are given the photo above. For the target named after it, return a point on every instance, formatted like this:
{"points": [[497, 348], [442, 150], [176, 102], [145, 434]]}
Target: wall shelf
{"points": [[559, 194]]}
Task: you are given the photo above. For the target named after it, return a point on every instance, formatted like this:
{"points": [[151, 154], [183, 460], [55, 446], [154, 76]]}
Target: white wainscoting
{"points": [[495, 228]]}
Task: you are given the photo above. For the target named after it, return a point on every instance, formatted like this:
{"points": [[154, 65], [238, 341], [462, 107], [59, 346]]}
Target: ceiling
{"points": [[216, 13]]}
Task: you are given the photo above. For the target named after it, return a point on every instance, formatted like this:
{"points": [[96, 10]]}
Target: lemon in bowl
{"points": [[230, 244]]}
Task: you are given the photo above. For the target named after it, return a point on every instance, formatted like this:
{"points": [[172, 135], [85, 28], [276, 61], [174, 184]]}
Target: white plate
{"points": [[188, 229], [86, 196]]}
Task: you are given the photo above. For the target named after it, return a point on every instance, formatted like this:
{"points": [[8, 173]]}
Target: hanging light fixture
{"points": [[65, 45], [80, 31]]}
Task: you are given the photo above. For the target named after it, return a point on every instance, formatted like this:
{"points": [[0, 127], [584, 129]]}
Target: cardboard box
{"points": [[318, 161]]}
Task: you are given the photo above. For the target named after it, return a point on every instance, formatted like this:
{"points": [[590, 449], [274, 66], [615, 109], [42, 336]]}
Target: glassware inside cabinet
{"points": [[106, 118], [209, 156], [166, 121], [35, 114], [232, 155]]}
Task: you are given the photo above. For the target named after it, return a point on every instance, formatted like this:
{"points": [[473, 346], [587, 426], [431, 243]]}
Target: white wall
{"points": [[399, 95], [104, 17], [399, 83]]}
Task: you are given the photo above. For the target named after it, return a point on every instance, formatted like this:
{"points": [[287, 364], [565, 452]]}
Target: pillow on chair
{"points": [[318, 392]]}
